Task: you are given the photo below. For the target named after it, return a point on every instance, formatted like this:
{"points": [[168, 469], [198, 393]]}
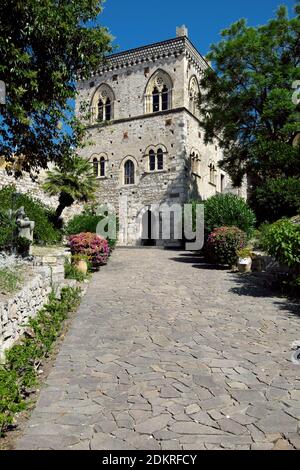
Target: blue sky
{"points": [[138, 22]]}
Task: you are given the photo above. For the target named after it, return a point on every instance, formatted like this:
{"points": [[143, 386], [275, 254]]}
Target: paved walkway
{"points": [[167, 354]]}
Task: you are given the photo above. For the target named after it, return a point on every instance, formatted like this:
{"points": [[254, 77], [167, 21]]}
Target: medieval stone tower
{"points": [[148, 146]]}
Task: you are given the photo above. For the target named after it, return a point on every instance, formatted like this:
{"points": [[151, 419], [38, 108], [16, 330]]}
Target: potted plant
{"points": [[81, 263], [245, 260]]}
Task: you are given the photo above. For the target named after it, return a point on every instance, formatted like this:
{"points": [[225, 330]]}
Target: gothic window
{"points": [[108, 110], [195, 162], [129, 172], [152, 159], [158, 94], [102, 167], [160, 159], [212, 173], [194, 93], [96, 166], [156, 160], [165, 98], [100, 110], [156, 99], [102, 106]]}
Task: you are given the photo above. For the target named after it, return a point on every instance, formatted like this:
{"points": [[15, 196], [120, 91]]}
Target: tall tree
{"points": [[247, 102], [43, 45]]}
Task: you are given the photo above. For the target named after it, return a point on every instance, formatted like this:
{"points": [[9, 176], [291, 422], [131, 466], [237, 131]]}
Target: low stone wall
{"points": [[15, 312], [48, 275]]}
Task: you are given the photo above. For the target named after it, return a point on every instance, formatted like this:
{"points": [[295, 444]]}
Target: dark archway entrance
{"points": [[149, 229]]}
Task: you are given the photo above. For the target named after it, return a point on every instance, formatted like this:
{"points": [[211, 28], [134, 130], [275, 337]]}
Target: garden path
{"points": [[166, 353]]}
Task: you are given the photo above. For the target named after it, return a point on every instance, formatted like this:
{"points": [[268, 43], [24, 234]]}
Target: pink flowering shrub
{"points": [[223, 243], [90, 245]]}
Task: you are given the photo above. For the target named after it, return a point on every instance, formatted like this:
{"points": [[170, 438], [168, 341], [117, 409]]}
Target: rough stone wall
{"points": [[48, 275], [26, 185], [15, 312]]}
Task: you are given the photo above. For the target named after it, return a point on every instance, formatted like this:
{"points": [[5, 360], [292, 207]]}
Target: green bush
{"points": [[228, 210], [44, 231], [7, 229], [223, 244], [82, 223], [20, 373], [282, 240], [276, 199]]}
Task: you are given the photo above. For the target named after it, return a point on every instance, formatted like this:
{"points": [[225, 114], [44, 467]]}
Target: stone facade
{"points": [[147, 145]]}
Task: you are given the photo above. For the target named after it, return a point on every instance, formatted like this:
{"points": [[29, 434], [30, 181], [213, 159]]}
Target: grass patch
{"points": [[10, 280], [19, 375]]}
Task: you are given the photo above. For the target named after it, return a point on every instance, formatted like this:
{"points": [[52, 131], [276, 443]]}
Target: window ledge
{"points": [[154, 172], [212, 184]]}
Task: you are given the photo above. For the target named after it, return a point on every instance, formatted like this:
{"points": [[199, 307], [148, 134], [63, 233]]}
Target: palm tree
{"points": [[73, 181]]}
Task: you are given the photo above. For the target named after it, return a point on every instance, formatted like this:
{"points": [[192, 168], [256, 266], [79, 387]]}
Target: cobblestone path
{"points": [[166, 353]]}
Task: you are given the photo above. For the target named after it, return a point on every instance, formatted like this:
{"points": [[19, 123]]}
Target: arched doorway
{"points": [[149, 229]]}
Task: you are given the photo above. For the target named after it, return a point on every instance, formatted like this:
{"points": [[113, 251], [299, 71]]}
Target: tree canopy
{"points": [[247, 102], [43, 45]]}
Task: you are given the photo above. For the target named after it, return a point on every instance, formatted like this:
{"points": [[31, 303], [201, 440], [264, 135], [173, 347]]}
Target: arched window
{"points": [[156, 159], [102, 166], [152, 160], [165, 98], [96, 166], [129, 171], [160, 159], [155, 100], [100, 111], [102, 106], [158, 94], [194, 94], [212, 173], [108, 110]]}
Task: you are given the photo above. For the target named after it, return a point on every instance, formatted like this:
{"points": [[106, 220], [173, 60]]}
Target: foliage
{"points": [[44, 230], [22, 245], [247, 103], [73, 181], [10, 280], [19, 374], [86, 222], [11, 399], [71, 272], [91, 245], [43, 47], [244, 253], [282, 240], [222, 245], [7, 229], [228, 210], [277, 198]]}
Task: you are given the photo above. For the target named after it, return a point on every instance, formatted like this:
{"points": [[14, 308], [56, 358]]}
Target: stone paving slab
{"points": [[166, 353]]}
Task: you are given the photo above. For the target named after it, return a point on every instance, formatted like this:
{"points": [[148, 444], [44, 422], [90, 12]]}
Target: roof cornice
{"points": [[153, 52]]}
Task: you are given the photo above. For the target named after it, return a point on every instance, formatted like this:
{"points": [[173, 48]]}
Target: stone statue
{"points": [[25, 226]]}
